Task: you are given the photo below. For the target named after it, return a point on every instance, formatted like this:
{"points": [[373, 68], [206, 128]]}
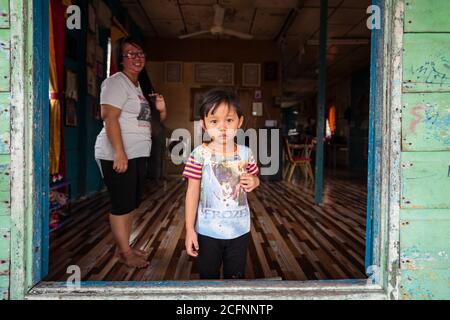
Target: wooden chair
{"points": [[302, 161]]}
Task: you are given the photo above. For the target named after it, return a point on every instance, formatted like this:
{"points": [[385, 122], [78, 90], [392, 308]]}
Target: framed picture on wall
{"points": [[251, 75], [257, 109], [91, 81], [270, 71], [221, 74], [90, 49], [258, 94], [196, 99], [92, 18], [71, 113], [173, 72]]}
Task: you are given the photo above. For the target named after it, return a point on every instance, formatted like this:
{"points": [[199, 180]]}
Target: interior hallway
{"points": [[291, 238]]}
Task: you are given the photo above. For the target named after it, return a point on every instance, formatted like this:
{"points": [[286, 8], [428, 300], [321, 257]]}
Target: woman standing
{"points": [[123, 146]]}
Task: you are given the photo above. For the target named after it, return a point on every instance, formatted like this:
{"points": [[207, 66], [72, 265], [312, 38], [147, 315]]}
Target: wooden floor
{"points": [[291, 237]]}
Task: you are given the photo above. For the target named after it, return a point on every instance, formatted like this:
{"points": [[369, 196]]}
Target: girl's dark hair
{"points": [[215, 97], [118, 47]]}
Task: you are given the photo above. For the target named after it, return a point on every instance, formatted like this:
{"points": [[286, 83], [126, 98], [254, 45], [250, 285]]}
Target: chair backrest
{"points": [[309, 147], [287, 148]]}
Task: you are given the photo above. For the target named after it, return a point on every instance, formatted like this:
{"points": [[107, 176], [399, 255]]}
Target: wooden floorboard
{"points": [[292, 238]]}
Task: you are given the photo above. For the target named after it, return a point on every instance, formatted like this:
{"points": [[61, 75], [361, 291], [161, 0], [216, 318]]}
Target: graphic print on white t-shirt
{"points": [[145, 114]]}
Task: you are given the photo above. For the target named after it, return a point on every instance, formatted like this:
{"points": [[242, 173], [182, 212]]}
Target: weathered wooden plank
{"points": [[4, 60], [427, 16], [4, 285], [5, 193], [5, 245], [425, 180], [4, 123], [426, 62], [425, 239], [4, 14], [426, 122], [425, 284]]}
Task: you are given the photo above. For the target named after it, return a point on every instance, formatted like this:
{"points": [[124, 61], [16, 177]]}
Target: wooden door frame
{"points": [[26, 181]]}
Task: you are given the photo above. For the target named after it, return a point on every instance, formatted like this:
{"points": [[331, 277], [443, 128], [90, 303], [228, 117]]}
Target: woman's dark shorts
{"points": [[125, 189]]}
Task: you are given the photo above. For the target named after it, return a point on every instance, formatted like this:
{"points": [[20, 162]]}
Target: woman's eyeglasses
{"points": [[133, 55]]}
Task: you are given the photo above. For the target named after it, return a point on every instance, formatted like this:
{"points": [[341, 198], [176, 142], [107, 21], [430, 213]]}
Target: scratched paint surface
{"points": [[4, 122], [425, 239], [5, 236], [4, 14], [4, 60], [426, 122], [5, 223], [425, 180], [425, 172], [425, 284], [436, 10], [426, 62]]}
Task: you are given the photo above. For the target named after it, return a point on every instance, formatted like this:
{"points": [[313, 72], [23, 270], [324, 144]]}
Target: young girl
{"points": [[219, 174]]}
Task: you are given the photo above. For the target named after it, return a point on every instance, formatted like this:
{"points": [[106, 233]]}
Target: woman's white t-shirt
{"points": [[120, 92]]}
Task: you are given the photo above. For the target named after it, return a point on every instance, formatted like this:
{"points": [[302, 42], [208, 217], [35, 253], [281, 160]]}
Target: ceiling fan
{"points": [[217, 27]]}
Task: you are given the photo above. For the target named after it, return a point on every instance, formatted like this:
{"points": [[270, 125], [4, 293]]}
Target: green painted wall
{"points": [[425, 173], [5, 220]]}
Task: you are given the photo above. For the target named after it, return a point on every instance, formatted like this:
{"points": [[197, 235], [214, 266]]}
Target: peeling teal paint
{"points": [[5, 220], [425, 173]]}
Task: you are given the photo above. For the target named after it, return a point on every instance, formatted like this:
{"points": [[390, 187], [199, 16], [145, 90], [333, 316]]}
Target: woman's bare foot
{"points": [[132, 260], [138, 252]]}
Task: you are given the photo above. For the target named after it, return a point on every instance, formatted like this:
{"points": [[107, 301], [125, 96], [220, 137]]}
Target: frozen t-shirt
{"points": [[120, 92], [223, 211]]}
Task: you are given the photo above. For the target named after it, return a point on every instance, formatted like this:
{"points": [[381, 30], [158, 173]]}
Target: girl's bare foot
{"points": [[132, 260]]}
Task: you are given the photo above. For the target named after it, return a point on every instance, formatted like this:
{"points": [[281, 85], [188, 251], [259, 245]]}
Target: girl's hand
{"points": [[160, 103], [249, 182], [191, 243], [120, 162]]}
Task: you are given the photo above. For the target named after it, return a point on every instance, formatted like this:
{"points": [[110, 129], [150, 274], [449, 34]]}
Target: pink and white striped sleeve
{"points": [[193, 169], [252, 166]]}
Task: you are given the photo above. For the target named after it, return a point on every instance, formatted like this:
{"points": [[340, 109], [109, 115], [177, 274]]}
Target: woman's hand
{"points": [[120, 162], [191, 243], [160, 103], [249, 182]]}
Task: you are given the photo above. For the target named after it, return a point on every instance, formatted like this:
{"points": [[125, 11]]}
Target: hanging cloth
{"points": [[332, 118], [56, 73]]}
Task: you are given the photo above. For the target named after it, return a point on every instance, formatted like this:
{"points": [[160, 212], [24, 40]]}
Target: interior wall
{"points": [[178, 95]]}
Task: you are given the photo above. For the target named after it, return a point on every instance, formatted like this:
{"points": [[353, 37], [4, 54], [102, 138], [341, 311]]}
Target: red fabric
{"points": [[59, 29], [298, 158]]}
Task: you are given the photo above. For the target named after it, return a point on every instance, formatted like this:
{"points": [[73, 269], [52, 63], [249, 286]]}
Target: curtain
{"points": [[56, 79], [332, 118], [117, 32]]}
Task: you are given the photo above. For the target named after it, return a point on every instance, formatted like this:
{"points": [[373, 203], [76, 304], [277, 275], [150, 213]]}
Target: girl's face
{"points": [[133, 58], [223, 124]]}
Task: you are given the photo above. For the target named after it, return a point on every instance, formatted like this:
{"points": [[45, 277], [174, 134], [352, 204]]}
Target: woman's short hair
{"points": [[215, 97], [118, 48]]}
